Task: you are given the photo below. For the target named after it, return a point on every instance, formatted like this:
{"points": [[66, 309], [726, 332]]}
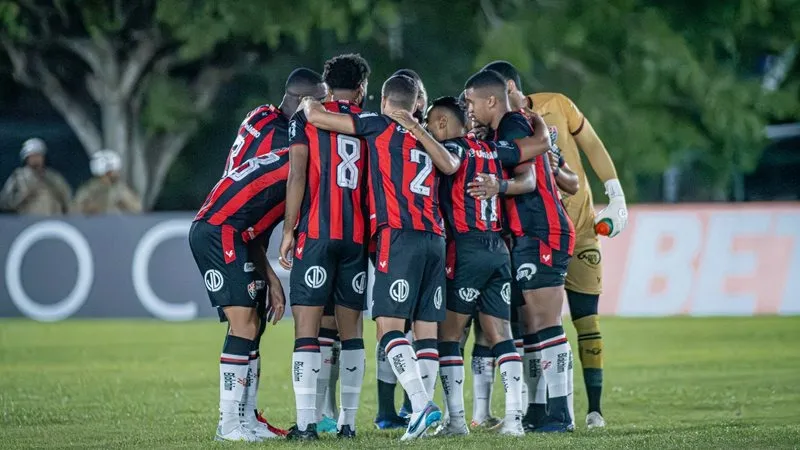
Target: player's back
{"points": [[334, 204], [464, 213], [539, 213], [251, 197], [565, 121], [403, 183], [263, 129]]}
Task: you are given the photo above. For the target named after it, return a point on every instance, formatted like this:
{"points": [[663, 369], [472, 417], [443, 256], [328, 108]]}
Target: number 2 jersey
{"points": [[464, 213], [251, 194], [403, 183], [334, 203], [539, 213]]}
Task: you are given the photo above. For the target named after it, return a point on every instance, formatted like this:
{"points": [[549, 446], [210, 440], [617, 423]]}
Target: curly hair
{"points": [[345, 71]]}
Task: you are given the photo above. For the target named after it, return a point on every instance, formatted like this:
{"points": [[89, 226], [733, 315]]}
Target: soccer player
{"points": [[584, 274], [479, 267], [326, 200], [542, 247], [408, 228], [228, 240]]}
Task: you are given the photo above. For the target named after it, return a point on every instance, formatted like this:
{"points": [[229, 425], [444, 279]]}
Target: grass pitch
{"points": [[676, 382]]}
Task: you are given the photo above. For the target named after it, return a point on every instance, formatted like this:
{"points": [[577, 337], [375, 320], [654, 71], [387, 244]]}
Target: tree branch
{"points": [[86, 50], [20, 62], [138, 61]]}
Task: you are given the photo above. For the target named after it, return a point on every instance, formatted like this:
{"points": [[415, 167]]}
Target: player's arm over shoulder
{"points": [[514, 126], [588, 140], [320, 117]]}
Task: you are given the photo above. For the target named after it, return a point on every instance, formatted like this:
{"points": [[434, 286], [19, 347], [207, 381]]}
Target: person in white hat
{"points": [[35, 188], [106, 193]]}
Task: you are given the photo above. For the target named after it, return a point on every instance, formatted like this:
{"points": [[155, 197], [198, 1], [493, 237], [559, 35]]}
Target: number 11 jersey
{"points": [[334, 204], [403, 183]]}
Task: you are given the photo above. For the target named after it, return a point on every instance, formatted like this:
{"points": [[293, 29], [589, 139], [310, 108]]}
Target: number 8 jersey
{"points": [[403, 183], [334, 203]]}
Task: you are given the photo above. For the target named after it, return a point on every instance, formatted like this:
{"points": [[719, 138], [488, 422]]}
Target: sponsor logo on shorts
{"points": [[249, 267], [360, 282], [252, 290], [437, 298], [590, 256], [505, 293], [468, 294], [398, 291], [315, 277], [214, 280], [526, 271]]}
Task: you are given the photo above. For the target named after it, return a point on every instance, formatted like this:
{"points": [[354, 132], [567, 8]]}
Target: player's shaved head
{"points": [[401, 92], [506, 70], [452, 107], [303, 77], [348, 72], [486, 83]]}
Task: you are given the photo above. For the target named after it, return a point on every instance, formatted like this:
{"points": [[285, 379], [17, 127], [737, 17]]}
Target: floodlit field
{"points": [[678, 382]]}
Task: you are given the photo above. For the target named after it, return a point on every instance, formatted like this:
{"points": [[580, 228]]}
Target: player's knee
{"points": [[247, 329], [582, 305], [495, 330]]}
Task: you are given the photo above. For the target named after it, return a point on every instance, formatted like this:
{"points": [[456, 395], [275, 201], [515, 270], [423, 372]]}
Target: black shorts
{"points": [[325, 269], [536, 265], [227, 268], [409, 276], [479, 275]]}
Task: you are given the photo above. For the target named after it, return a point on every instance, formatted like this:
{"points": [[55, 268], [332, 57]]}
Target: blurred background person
{"points": [[106, 193], [35, 188]]}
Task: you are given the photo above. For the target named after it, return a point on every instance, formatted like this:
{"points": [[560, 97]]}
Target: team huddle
{"points": [[458, 206]]}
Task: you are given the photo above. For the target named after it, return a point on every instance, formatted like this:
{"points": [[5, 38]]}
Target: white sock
{"points": [[537, 387], [571, 386], [401, 357], [482, 382], [384, 367], [428, 363], [233, 369], [251, 391], [555, 352], [323, 378], [353, 361], [518, 344], [329, 409], [306, 364], [509, 364], [451, 372]]}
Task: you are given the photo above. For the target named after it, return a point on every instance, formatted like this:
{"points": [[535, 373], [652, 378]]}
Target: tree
{"points": [[139, 77], [665, 83]]}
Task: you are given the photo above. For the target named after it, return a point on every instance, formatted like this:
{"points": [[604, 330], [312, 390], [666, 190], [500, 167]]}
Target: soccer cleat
{"points": [[421, 421], [512, 427], [272, 429], [238, 434], [595, 420], [326, 425], [404, 413], [488, 423], [260, 430], [346, 432], [534, 417], [552, 427], [390, 423], [451, 428], [310, 433]]}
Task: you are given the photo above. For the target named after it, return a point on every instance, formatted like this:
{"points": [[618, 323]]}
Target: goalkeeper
{"points": [[584, 274]]}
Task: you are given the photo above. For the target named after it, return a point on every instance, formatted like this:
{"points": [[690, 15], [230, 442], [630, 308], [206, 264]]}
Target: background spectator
{"points": [[106, 193], [35, 188]]}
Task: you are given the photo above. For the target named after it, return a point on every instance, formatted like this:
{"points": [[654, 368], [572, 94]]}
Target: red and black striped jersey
{"points": [[262, 130], [540, 213], [252, 197], [334, 205], [403, 183], [464, 213]]}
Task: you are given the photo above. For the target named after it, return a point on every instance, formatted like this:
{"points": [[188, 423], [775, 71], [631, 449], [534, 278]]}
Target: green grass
{"points": [[677, 382]]}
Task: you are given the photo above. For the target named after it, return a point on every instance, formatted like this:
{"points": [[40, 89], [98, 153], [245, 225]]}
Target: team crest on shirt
{"points": [[252, 290], [590, 256], [468, 294], [526, 271], [437, 298]]}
